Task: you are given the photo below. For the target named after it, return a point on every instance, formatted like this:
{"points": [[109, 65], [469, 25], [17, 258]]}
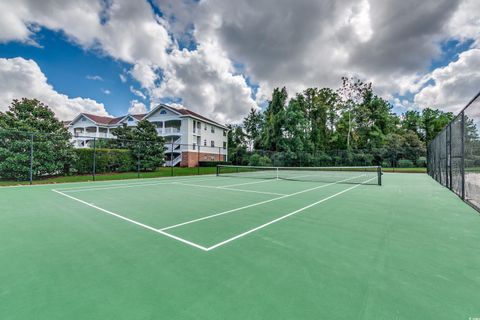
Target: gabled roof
{"points": [[184, 112], [103, 120]]}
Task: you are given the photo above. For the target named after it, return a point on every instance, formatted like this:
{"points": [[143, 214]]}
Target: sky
{"points": [[223, 57]]}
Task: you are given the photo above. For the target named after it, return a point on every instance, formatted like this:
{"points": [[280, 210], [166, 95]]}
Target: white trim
{"points": [[230, 189], [134, 222], [252, 205], [282, 217]]}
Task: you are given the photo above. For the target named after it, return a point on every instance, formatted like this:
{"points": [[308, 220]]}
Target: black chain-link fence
{"points": [[34, 157], [454, 154], [385, 157]]}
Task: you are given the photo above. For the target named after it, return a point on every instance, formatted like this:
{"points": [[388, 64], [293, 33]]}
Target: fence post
{"points": [[30, 175], [171, 159], [94, 158], [198, 159], [450, 156], [462, 162], [138, 166]]}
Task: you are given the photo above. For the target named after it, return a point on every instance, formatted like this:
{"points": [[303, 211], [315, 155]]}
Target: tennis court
{"points": [[247, 244]]}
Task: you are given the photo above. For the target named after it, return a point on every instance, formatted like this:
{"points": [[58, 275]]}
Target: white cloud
{"points": [[300, 44], [94, 77], [138, 93], [205, 81], [106, 91], [137, 107], [145, 74], [23, 78], [454, 85]]}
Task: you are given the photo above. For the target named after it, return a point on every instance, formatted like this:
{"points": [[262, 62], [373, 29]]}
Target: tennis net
{"points": [[349, 175]]}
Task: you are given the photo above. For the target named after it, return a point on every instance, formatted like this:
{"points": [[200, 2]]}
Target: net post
{"points": [[218, 169], [30, 174], [379, 174], [278, 174]]}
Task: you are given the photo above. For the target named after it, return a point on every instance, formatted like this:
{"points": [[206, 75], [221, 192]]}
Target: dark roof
{"points": [[139, 116], [110, 120], [101, 119], [194, 114]]}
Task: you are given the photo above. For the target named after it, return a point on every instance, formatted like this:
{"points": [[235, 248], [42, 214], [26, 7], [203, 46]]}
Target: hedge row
{"points": [[212, 163], [106, 160]]}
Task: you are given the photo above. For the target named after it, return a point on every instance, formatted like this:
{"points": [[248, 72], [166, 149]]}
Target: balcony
{"points": [[168, 130]]}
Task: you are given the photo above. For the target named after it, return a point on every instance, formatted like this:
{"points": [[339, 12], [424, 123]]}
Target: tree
{"points": [[237, 149], [253, 124], [412, 120], [433, 121], [412, 148], [272, 134], [146, 146], [30, 125]]}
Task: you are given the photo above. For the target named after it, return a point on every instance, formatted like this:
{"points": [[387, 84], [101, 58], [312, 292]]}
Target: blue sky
{"points": [[221, 58], [70, 70]]}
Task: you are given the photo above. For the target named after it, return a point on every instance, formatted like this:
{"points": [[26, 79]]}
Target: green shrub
{"points": [[212, 163], [106, 160], [422, 162], [404, 163], [258, 160]]}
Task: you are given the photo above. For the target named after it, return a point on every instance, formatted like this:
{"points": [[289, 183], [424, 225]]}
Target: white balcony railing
{"points": [[168, 130], [91, 135]]}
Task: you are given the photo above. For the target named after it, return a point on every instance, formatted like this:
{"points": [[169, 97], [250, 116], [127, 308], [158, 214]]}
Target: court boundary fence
{"points": [[453, 156]]}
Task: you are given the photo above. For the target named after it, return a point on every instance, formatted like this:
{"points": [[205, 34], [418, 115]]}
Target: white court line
{"points": [[283, 217], [242, 184], [229, 189], [254, 204], [51, 184], [134, 222], [132, 185]]}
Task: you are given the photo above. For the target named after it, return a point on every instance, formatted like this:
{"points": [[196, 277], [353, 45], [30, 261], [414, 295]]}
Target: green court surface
{"points": [[210, 247]]}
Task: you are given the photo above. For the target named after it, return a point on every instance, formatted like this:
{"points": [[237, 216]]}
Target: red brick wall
{"points": [[190, 158]]}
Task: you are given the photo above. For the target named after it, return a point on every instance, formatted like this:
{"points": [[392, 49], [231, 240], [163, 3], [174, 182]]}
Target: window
{"points": [[199, 125], [84, 119], [212, 129], [163, 111], [205, 127], [224, 145], [224, 133], [205, 142], [194, 126], [212, 143], [194, 146]]}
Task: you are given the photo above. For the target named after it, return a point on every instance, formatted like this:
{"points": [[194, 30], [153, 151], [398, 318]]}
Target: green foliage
{"points": [[27, 124], [258, 160], [404, 163], [433, 121], [314, 123], [106, 160], [146, 147], [422, 162], [212, 163]]}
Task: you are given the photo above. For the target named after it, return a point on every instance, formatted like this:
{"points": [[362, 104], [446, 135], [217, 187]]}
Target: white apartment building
{"points": [[189, 136]]}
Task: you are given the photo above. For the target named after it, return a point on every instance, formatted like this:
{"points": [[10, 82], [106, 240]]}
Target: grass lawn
{"points": [[162, 172]]}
